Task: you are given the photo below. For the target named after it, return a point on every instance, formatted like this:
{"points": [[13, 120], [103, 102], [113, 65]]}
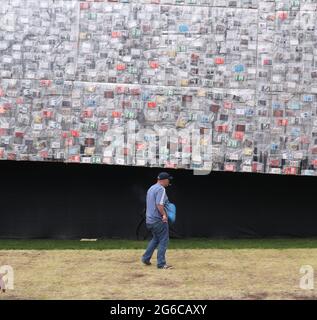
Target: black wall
{"points": [[67, 201]]}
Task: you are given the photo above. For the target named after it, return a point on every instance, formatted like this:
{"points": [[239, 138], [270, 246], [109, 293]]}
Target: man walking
{"points": [[157, 221]]}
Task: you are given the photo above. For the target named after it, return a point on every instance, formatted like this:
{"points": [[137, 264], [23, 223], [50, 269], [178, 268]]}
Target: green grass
{"points": [[195, 243]]}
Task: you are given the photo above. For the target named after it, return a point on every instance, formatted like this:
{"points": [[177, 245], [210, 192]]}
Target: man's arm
{"points": [[159, 201], [162, 211]]}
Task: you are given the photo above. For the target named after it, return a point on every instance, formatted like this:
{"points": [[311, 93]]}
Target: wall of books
{"points": [[193, 84]]}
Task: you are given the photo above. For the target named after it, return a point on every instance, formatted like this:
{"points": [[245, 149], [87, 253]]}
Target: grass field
{"points": [[204, 269]]}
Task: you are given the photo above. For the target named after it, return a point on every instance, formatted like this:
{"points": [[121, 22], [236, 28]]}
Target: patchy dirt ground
{"points": [[198, 274]]}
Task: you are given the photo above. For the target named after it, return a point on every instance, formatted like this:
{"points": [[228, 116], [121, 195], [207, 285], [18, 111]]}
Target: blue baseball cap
{"points": [[164, 175]]}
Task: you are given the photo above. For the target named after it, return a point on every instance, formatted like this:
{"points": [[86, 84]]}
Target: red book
{"points": [[151, 104], [219, 60], [154, 64], [74, 133], [121, 67]]}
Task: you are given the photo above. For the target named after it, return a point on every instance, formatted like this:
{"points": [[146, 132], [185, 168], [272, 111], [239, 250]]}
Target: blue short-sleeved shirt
{"points": [[155, 195]]}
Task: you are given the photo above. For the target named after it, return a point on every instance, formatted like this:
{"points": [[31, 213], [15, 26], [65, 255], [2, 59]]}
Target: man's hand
{"points": [[163, 213]]}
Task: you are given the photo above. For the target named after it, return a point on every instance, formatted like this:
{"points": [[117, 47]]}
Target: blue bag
{"points": [[170, 209]]}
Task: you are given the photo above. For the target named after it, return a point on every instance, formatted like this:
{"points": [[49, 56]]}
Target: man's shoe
{"points": [[166, 267], [147, 263]]}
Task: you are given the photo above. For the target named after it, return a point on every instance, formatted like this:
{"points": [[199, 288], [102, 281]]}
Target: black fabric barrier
{"points": [[70, 201]]}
